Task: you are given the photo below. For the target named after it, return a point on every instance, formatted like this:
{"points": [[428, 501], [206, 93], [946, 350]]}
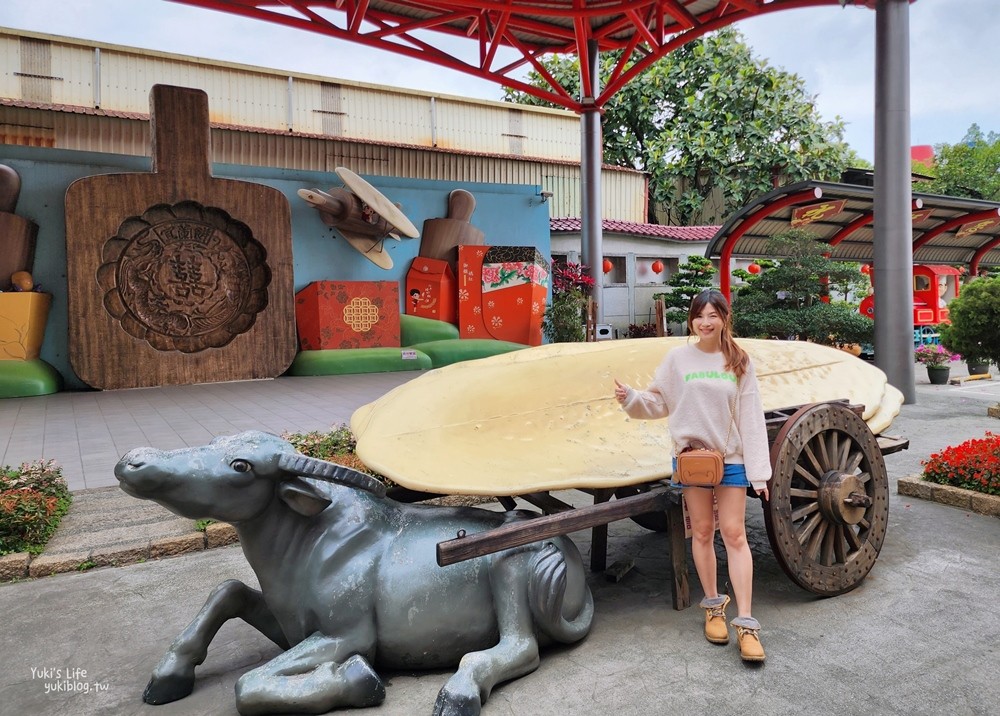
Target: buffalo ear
{"points": [[302, 497]]}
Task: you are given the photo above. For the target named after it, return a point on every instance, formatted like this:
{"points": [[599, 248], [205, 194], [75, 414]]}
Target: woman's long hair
{"points": [[737, 359]]}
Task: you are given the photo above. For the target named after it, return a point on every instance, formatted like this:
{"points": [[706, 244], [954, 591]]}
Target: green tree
{"points": [[690, 279], [710, 116], [791, 297], [974, 316], [970, 168]]}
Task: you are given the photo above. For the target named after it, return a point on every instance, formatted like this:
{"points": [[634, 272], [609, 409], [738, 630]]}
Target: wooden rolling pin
{"points": [[17, 234], [441, 237]]}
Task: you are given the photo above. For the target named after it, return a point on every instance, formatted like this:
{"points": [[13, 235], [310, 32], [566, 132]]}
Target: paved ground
{"points": [[86, 432], [917, 637]]}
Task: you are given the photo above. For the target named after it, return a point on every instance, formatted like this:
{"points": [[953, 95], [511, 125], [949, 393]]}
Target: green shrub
{"points": [[974, 316], [791, 297], [336, 445], [323, 445], [33, 499]]}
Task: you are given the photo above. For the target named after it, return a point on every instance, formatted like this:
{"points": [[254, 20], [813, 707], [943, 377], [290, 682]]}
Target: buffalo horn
{"points": [[331, 472]]}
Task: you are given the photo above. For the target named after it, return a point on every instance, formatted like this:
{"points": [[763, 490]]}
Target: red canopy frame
{"points": [[644, 29]]}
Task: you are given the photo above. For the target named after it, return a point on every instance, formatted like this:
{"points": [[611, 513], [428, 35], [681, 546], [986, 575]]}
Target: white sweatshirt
{"points": [[698, 393]]}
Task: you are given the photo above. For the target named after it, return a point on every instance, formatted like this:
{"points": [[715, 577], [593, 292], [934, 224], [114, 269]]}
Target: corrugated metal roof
{"points": [[119, 114], [946, 230], [677, 233]]}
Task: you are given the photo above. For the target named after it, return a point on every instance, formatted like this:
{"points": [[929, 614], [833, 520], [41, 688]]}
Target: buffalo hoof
{"points": [[165, 689], [365, 688], [451, 704]]}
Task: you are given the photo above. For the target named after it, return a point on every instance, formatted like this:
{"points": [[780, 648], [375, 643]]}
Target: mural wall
{"points": [[507, 216]]}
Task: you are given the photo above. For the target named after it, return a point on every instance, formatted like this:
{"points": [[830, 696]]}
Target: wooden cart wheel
{"points": [[829, 499]]}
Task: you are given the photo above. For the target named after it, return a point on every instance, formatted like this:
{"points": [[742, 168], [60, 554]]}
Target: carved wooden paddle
{"points": [[175, 276]]}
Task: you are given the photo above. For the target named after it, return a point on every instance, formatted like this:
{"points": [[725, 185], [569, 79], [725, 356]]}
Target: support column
{"points": [[592, 153], [893, 266]]}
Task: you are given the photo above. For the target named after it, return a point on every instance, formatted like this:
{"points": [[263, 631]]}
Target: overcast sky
{"points": [[953, 69]]}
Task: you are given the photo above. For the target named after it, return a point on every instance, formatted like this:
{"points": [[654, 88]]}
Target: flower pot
{"points": [[978, 367], [938, 374], [22, 324]]}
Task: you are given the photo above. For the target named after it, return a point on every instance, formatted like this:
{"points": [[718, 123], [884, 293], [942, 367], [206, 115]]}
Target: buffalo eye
{"points": [[241, 466]]}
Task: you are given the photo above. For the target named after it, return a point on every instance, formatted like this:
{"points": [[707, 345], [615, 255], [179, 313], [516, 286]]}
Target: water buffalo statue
{"points": [[349, 582]]}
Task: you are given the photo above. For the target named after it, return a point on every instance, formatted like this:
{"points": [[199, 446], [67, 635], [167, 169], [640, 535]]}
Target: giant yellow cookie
{"points": [[545, 418]]}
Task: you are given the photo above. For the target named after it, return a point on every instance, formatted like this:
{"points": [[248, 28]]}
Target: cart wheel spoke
{"points": [[817, 467], [844, 458], [854, 544], [828, 511], [840, 550], [808, 528], [816, 540], [823, 453], [804, 511], [803, 473]]}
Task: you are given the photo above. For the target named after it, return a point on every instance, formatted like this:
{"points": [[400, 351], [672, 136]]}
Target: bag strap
{"points": [[732, 418]]}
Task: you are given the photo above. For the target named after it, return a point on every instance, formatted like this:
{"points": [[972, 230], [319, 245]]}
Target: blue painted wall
{"points": [[509, 215]]}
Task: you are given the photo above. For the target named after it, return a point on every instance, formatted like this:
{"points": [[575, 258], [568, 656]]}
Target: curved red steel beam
{"points": [[980, 252], [932, 234], [726, 255], [863, 220]]}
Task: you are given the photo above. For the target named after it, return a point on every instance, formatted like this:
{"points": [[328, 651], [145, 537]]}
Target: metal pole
{"points": [[893, 269], [592, 153]]}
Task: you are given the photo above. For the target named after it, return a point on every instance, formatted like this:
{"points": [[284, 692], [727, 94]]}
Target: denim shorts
{"points": [[732, 476]]}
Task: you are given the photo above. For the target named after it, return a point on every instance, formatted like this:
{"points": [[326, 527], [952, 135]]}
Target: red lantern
{"points": [[866, 269], [608, 265], [753, 268], [657, 266]]}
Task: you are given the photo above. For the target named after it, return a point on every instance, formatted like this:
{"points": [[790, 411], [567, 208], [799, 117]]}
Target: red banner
{"points": [[815, 212], [975, 227]]}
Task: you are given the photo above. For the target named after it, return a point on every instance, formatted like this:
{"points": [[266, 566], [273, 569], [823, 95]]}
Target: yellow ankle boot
{"points": [[716, 630], [748, 639]]}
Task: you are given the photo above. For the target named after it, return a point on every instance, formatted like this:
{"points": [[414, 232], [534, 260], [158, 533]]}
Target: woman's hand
{"points": [[763, 493], [621, 392]]}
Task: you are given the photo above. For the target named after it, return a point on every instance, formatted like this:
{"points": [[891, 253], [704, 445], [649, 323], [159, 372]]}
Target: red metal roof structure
{"points": [[514, 34], [645, 30], [945, 229]]}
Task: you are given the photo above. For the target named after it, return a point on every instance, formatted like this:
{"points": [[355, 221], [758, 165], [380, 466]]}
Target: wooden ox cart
{"points": [[827, 513]]}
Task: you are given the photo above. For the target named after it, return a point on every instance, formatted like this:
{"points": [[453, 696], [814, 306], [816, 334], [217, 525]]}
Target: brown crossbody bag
{"points": [[702, 466]]}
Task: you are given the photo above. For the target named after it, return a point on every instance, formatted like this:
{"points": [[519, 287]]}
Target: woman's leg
{"points": [[732, 524], [699, 508]]}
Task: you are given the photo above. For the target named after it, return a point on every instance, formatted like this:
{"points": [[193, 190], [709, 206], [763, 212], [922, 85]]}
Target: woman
{"points": [[709, 390]]}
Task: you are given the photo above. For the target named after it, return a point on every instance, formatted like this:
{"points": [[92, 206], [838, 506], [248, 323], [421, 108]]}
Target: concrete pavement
{"points": [[917, 637]]}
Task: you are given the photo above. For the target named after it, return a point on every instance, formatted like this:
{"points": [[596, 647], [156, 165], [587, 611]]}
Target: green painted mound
{"points": [[415, 329], [356, 360], [456, 350], [26, 378]]}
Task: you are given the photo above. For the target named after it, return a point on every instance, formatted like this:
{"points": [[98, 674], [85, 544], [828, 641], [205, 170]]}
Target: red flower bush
{"points": [[569, 276], [973, 465]]}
